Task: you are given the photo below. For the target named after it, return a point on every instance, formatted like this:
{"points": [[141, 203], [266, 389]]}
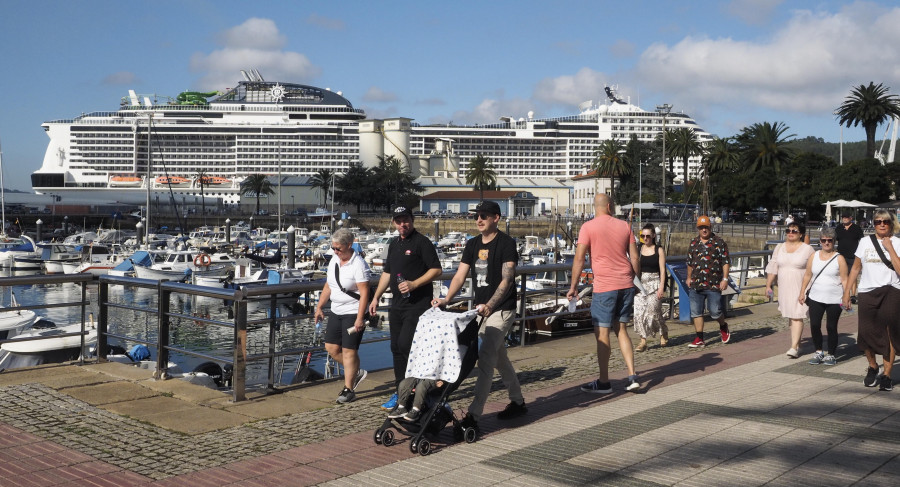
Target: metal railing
{"points": [[744, 265]]}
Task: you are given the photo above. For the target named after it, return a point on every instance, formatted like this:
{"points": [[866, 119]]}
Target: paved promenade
{"points": [[735, 414]]}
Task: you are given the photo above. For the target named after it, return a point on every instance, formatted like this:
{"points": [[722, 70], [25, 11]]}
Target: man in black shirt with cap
{"points": [[847, 236], [410, 267]]}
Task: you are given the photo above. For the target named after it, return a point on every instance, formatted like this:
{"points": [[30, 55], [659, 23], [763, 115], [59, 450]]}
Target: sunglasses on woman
{"points": [[793, 230], [881, 222], [826, 240]]}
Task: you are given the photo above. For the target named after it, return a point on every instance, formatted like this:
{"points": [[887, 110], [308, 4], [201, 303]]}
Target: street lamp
{"points": [[664, 109]]}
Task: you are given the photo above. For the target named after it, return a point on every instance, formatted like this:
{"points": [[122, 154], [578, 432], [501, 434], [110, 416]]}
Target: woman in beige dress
{"points": [[788, 264], [648, 317]]}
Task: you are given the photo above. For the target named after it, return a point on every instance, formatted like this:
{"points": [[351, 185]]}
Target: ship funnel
{"points": [[147, 102], [133, 97], [258, 76], [245, 75]]}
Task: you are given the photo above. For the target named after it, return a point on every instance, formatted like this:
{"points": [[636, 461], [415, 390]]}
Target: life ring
{"points": [[202, 260]]}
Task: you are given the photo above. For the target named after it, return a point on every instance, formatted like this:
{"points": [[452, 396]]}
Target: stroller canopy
{"points": [[436, 353]]}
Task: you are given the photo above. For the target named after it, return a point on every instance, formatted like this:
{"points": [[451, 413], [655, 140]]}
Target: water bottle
{"points": [[318, 327], [399, 280]]}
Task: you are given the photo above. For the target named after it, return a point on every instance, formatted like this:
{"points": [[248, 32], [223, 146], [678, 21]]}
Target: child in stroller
{"points": [[443, 353]]}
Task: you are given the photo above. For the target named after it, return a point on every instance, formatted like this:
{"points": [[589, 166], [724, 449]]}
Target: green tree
{"points": [[257, 184], [321, 182], [684, 145], [868, 106], [864, 180], [480, 172], [610, 162], [355, 186], [719, 155], [396, 184], [764, 145]]}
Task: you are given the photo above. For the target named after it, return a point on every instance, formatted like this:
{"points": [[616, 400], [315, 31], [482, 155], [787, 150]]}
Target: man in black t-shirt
{"points": [[490, 260], [411, 264], [847, 236]]}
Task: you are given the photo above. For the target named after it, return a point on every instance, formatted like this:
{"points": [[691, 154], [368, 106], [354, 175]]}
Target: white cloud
{"points": [[256, 44], [431, 102], [570, 90], [490, 110], [808, 66], [622, 49], [325, 22], [376, 94], [121, 78], [756, 12]]}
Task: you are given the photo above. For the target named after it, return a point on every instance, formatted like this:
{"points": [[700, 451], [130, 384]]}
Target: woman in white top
{"points": [[347, 287], [826, 270], [878, 298]]}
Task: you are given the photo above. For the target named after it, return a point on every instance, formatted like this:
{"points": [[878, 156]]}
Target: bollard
{"points": [[227, 231], [40, 227], [291, 246]]}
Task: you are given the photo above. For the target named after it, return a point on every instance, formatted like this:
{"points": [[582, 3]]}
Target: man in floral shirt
{"points": [[707, 276]]}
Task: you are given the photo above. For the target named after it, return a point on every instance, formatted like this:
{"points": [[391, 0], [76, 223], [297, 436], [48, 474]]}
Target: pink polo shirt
{"points": [[608, 240]]}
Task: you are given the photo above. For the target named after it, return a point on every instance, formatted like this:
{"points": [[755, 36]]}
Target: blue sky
{"points": [[727, 64]]}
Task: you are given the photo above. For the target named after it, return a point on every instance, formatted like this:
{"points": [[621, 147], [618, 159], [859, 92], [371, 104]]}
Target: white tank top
{"points": [[827, 287]]}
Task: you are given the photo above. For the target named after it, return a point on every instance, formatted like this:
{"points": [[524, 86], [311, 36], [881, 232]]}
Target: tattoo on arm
{"points": [[507, 281]]}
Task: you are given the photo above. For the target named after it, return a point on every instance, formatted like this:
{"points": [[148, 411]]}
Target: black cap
{"points": [[401, 211], [487, 207]]}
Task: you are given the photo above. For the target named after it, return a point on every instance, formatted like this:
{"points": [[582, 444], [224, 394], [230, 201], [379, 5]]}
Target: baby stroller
{"points": [[438, 413]]}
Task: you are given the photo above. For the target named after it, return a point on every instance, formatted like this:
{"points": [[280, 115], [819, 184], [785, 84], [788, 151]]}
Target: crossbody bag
{"points": [[884, 258], [819, 274], [371, 320]]}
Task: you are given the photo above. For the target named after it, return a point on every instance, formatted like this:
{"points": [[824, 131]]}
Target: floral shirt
{"points": [[707, 261]]}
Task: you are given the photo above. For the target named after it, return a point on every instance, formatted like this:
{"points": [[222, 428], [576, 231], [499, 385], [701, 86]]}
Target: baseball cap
{"points": [[401, 211], [703, 221], [487, 207]]}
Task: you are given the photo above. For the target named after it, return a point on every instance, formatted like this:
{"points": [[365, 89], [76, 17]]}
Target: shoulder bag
{"points": [[884, 258], [819, 274], [367, 318]]}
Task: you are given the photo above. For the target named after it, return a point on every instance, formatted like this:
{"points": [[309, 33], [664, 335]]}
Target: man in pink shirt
{"points": [[615, 262]]}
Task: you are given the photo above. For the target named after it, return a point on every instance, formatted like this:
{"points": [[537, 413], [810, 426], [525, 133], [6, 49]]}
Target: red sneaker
{"points": [[726, 335], [697, 343]]}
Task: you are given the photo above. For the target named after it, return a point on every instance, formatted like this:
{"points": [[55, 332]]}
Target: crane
{"points": [[879, 154]]}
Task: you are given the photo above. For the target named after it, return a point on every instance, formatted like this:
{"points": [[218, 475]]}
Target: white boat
{"points": [[15, 321], [97, 260], [54, 339], [22, 246], [54, 254]]}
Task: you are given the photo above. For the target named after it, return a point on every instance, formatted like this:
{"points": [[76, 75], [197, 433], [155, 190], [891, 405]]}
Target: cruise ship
{"points": [[265, 127]]}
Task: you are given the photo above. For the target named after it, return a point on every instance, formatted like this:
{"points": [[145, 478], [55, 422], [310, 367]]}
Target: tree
{"points": [[764, 145], [355, 186], [684, 145], [610, 162], [868, 106], [864, 179], [395, 183], [257, 184], [202, 179], [480, 171], [719, 155], [321, 182]]}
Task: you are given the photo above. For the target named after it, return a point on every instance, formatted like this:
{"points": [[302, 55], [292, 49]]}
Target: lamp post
{"points": [[437, 227], [664, 109], [507, 225]]}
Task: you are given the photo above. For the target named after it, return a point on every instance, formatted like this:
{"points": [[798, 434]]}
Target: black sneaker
{"points": [[887, 384], [513, 410], [469, 422], [871, 379], [398, 412], [346, 396], [597, 387], [412, 416]]}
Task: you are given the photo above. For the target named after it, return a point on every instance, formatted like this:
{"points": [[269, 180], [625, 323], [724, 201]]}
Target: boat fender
{"points": [[213, 370], [202, 260], [138, 353]]}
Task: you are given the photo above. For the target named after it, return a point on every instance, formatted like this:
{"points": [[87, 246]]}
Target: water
{"points": [[194, 335]]}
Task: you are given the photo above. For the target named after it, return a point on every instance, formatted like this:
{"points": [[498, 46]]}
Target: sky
{"points": [[728, 64]]}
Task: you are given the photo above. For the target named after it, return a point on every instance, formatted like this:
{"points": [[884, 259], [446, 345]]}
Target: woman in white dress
{"points": [[825, 279]]}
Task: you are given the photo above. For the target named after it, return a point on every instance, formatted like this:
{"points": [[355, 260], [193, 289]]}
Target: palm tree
{"points": [[610, 162], [321, 182], [257, 184], [202, 178], [355, 186], [481, 172], [868, 106], [719, 155], [394, 174], [685, 145], [764, 145]]}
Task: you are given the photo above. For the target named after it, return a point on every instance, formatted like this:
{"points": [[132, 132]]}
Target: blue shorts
{"points": [[713, 298], [612, 306]]}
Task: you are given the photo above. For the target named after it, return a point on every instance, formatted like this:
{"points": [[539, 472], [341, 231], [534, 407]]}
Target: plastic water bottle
{"points": [[573, 305], [351, 330], [399, 280], [318, 327]]}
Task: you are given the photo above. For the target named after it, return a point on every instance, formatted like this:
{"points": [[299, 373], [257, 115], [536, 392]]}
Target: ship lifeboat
{"points": [[214, 180], [172, 181], [125, 181]]}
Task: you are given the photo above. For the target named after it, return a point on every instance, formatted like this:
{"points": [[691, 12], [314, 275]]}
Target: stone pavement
{"points": [[735, 414]]}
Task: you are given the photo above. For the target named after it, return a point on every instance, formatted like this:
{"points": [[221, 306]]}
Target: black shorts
{"points": [[336, 331]]}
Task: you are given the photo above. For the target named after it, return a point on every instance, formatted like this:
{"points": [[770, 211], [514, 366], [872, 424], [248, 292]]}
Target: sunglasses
{"points": [[704, 227], [826, 240], [646, 236], [881, 222], [793, 230], [481, 216], [337, 249]]}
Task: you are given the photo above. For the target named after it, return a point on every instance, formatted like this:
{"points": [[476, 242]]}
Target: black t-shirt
{"points": [[486, 262], [411, 257], [847, 239]]}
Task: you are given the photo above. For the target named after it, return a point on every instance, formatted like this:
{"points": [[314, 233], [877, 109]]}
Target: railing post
{"points": [[102, 322], [83, 324], [273, 325], [239, 377], [162, 341], [523, 331]]}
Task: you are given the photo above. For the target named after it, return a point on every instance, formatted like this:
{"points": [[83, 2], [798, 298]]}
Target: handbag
{"points": [[819, 274], [367, 318], [884, 258]]}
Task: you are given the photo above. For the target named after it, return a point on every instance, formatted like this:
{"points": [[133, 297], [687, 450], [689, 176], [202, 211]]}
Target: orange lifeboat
{"points": [[171, 180], [210, 180], [125, 181]]}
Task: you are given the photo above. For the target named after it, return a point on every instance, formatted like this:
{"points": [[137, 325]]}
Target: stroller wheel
{"points": [[424, 447], [470, 435], [387, 438], [378, 437], [414, 446]]}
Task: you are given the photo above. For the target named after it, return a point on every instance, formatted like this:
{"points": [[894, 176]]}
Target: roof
{"points": [[470, 194]]}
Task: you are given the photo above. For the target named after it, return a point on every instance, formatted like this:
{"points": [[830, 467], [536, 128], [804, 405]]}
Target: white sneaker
{"points": [[792, 353]]}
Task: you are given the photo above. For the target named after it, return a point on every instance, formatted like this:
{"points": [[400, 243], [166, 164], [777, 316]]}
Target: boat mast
{"points": [[2, 195], [149, 172]]}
